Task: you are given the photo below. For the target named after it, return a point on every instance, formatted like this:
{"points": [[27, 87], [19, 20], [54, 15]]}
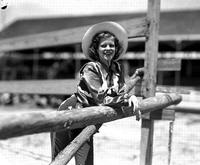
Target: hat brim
{"points": [[112, 27]]}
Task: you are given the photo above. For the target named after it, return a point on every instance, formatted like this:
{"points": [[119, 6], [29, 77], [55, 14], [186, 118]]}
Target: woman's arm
{"points": [[138, 75], [68, 103]]}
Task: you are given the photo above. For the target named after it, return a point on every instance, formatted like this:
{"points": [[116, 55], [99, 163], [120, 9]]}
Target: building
{"points": [[179, 38]]}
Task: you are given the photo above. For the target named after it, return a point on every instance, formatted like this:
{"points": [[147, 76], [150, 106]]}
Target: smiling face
{"points": [[106, 50]]}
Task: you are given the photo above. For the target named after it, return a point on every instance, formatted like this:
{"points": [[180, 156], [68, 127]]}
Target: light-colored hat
{"points": [[112, 27]]}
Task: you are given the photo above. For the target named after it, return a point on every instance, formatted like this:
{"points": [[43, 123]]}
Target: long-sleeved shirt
{"points": [[101, 86]]}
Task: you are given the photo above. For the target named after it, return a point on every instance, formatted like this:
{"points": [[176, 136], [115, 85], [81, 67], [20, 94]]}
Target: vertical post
{"points": [[35, 64], [178, 73], [171, 126], [3, 65], [149, 84]]}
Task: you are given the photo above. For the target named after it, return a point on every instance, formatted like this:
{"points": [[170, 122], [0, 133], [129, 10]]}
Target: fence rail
{"points": [[68, 86], [18, 124]]}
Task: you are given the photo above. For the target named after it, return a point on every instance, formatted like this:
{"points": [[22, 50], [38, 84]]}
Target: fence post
{"points": [[149, 84]]}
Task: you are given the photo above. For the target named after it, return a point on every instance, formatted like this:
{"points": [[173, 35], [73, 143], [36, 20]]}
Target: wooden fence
{"points": [[36, 122]]}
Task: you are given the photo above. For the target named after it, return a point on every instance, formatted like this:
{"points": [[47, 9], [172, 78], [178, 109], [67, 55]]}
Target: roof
{"points": [[40, 25], [60, 31], [171, 23]]}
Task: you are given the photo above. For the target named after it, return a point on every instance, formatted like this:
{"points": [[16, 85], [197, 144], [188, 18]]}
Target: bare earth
{"points": [[117, 143]]}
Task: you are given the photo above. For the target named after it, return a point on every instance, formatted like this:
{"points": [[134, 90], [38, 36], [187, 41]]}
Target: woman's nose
{"points": [[108, 47]]}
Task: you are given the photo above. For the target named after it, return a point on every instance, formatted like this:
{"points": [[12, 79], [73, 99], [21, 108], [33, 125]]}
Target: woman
{"points": [[101, 81]]}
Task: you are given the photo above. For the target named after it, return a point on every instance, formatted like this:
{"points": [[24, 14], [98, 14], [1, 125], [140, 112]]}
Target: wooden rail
{"points": [[68, 86], [65, 155], [18, 124], [127, 56], [57, 87], [135, 28]]}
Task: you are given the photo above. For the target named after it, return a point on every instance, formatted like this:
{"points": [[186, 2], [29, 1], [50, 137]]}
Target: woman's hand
{"points": [[138, 75], [133, 102], [139, 72]]}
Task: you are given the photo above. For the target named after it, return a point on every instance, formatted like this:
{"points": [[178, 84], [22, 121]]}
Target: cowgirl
{"points": [[101, 82]]}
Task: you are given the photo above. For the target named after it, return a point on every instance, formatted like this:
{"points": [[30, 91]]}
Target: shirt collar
{"points": [[114, 68]]}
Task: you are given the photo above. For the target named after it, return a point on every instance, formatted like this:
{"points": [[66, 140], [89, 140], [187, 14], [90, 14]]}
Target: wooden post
{"points": [[3, 67], [178, 73], [171, 126], [35, 64], [149, 88]]}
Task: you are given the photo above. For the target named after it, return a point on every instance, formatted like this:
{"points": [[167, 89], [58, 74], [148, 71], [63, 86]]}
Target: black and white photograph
{"points": [[99, 82]]}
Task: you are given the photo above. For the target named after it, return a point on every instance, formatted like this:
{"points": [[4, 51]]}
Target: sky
{"points": [[51, 8]]}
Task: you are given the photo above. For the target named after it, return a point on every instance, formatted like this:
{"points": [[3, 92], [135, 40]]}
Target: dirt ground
{"points": [[118, 143]]}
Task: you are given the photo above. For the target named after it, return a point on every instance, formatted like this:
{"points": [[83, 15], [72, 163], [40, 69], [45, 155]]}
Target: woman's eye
{"points": [[103, 46], [112, 45]]}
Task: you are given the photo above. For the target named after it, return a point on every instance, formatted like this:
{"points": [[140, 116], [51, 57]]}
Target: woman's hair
{"points": [[95, 44]]}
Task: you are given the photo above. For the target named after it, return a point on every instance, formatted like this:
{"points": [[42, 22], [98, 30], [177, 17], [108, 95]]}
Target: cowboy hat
{"points": [[114, 28]]}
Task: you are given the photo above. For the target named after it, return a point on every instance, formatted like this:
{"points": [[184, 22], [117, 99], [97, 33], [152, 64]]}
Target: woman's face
{"points": [[106, 50]]}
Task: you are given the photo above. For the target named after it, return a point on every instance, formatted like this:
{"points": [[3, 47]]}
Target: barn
{"points": [[30, 45]]}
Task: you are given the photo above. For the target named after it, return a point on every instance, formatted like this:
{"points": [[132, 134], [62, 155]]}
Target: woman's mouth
{"points": [[108, 53]]}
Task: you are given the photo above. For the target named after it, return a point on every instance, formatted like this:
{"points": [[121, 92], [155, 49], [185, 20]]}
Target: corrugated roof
{"points": [[171, 23], [34, 26]]}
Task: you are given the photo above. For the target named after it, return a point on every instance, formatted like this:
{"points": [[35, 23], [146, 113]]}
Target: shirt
{"points": [[101, 86]]}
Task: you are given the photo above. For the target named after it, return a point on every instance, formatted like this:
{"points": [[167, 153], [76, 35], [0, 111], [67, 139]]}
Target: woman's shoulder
{"points": [[93, 66]]}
